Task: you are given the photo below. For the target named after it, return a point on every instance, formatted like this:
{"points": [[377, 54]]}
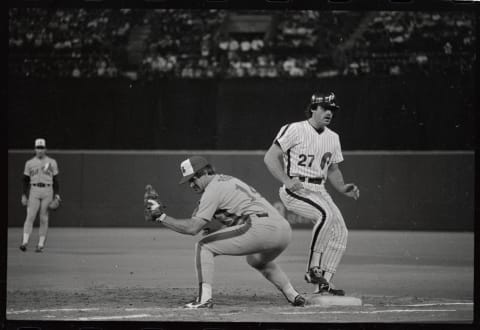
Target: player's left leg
{"points": [[32, 209], [264, 261], [226, 241], [255, 236], [311, 205], [337, 243], [43, 228]]}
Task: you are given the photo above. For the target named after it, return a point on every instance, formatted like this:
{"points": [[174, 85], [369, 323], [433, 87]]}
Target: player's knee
{"points": [[255, 262], [205, 248], [44, 219]]}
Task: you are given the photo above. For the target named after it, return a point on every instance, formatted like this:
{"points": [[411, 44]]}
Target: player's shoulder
{"points": [[331, 132], [224, 180], [293, 125], [298, 123], [219, 181], [30, 160], [219, 185], [53, 160]]}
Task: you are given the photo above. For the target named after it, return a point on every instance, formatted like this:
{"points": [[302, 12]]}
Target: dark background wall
{"points": [[387, 113], [402, 190], [418, 191]]}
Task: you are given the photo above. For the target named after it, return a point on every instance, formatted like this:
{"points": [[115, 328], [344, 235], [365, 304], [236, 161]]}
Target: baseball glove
{"points": [[55, 203], [153, 207]]}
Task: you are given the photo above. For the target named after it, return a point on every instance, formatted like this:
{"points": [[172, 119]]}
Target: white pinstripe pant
{"points": [[329, 236]]}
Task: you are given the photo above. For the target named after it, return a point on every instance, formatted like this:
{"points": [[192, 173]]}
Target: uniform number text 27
{"points": [[307, 160]]}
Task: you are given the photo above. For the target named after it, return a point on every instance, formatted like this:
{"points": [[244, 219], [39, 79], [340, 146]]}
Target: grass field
{"points": [[148, 274]]}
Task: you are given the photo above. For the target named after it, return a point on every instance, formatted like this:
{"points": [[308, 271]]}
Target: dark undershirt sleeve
{"points": [[56, 185], [26, 184]]}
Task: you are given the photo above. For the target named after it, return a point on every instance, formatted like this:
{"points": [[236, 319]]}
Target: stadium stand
{"points": [[150, 44]]}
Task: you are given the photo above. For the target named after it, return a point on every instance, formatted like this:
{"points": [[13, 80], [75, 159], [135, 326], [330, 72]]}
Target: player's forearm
{"points": [[274, 164], [182, 226], [56, 185], [26, 185], [335, 177]]}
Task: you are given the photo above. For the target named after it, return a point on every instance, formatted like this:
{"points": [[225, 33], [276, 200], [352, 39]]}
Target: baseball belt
{"points": [[310, 180], [41, 185]]}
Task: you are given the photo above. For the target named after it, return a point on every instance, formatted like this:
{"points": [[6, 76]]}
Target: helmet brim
{"points": [[328, 106]]}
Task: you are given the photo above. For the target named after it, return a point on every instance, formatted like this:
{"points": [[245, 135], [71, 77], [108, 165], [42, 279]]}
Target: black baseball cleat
{"points": [[314, 275], [39, 249], [196, 304], [299, 301], [328, 290], [23, 247]]}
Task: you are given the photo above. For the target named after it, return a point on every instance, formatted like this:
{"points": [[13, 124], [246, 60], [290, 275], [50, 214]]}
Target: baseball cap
{"points": [[327, 101], [191, 166], [40, 143]]}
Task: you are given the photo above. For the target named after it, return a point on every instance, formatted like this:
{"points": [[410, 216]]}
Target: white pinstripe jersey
{"points": [[307, 152]]}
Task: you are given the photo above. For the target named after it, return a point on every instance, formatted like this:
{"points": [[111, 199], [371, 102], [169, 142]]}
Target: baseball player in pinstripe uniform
{"points": [[304, 154], [251, 227], [40, 187]]}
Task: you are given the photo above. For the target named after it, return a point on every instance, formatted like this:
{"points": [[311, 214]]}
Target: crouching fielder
{"points": [[249, 226]]}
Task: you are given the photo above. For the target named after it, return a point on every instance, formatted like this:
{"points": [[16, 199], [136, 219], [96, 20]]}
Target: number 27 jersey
{"points": [[307, 152]]}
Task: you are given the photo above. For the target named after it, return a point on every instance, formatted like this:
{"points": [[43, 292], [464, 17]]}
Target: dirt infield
{"points": [[148, 274]]}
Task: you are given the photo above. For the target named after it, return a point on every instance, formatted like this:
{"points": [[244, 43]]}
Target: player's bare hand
{"points": [[294, 184], [24, 200], [351, 190]]}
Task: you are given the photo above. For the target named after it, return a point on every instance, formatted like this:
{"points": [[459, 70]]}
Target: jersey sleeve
{"points": [[337, 153], [26, 171], [54, 167], [286, 137], [208, 205]]}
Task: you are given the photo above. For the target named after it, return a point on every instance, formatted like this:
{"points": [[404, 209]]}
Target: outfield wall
{"points": [[399, 190]]}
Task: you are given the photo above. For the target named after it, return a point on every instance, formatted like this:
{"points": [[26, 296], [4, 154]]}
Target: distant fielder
{"points": [[40, 193], [304, 154], [249, 226]]}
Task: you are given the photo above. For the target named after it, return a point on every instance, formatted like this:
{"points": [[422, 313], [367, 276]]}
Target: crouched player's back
{"points": [[235, 202]]}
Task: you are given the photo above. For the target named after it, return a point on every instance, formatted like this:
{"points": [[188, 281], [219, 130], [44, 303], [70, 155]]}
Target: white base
{"points": [[326, 301]]}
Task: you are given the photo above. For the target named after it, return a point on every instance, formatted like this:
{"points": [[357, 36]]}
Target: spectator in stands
{"points": [[245, 46], [76, 72], [233, 45], [84, 42]]}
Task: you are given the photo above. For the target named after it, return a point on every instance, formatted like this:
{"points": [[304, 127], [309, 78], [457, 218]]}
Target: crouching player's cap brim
{"points": [[191, 166]]}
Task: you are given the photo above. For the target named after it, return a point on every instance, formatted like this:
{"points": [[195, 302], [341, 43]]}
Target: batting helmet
{"points": [[327, 101]]}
